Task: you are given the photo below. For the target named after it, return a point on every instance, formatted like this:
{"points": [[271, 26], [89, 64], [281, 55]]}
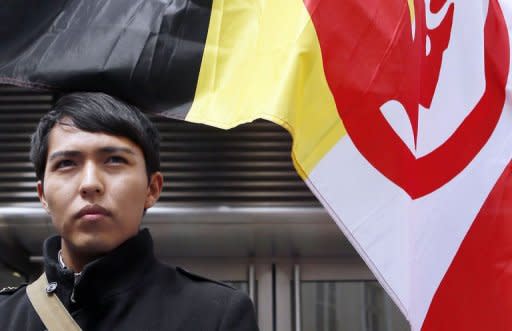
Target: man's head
{"points": [[97, 112], [97, 163]]}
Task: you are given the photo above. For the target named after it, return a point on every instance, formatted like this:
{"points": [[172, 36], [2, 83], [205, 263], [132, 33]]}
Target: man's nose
{"points": [[92, 183]]}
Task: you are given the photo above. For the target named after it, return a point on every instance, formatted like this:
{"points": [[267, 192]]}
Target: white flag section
{"points": [[409, 243]]}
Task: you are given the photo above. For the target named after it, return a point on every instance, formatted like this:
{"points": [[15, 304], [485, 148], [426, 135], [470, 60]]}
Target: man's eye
{"points": [[116, 159], [64, 164]]}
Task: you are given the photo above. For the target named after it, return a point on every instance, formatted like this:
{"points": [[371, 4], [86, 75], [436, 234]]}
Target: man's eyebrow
{"points": [[64, 154], [103, 150], [115, 149]]}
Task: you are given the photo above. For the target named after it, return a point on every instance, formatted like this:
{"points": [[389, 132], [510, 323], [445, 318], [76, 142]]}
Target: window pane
{"points": [[349, 306]]}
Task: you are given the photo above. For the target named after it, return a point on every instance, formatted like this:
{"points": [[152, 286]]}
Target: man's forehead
{"points": [[66, 136]]}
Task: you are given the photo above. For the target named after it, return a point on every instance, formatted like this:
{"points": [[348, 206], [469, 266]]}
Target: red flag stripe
{"points": [[476, 292]]}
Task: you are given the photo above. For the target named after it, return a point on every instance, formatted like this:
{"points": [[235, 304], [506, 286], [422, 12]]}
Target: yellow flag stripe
{"points": [[262, 59], [411, 10]]}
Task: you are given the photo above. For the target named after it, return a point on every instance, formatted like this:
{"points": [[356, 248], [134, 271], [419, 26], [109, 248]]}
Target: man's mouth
{"points": [[92, 213]]}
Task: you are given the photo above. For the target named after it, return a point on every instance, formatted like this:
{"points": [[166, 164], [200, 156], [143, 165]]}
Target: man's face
{"points": [[95, 188]]}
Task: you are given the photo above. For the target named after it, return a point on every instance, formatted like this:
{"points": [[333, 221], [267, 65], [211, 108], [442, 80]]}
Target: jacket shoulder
{"points": [[11, 289], [195, 277], [216, 303]]}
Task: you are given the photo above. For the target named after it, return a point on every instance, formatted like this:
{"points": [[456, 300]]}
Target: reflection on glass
{"points": [[349, 306]]}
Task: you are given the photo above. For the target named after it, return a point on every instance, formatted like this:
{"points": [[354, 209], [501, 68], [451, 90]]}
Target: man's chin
{"points": [[92, 246]]}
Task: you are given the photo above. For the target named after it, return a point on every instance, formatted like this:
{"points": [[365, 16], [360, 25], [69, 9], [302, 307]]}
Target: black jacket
{"points": [[128, 289]]}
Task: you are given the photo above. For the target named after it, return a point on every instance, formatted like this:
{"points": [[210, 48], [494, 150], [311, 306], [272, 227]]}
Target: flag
{"points": [[400, 112]]}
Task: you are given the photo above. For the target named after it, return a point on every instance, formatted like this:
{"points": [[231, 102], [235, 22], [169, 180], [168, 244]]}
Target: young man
{"points": [[97, 163]]}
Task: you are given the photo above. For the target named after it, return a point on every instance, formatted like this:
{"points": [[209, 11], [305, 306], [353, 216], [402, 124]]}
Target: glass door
{"points": [[342, 296]]}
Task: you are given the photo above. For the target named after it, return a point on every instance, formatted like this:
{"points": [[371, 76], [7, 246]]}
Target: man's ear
{"points": [[40, 194], [156, 183]]}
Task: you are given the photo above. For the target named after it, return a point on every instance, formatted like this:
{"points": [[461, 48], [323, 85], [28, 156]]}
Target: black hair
{"points": [[97, 112]]}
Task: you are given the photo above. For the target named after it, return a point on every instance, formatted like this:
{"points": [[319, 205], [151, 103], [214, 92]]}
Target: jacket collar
{"points": [[115, 272]]}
